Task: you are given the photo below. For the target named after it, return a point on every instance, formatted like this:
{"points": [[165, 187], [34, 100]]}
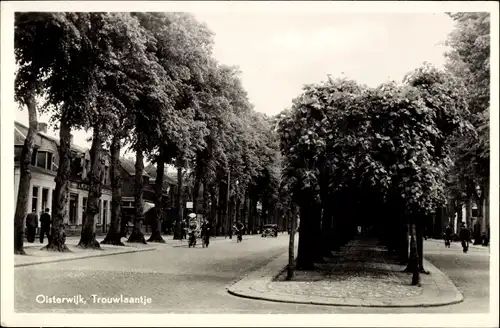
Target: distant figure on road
{"points": [[31, 225], [45, 221], [238, 227], [465, 237], [447, 236], [205, 233]]}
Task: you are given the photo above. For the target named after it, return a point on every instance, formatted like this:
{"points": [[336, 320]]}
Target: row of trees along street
{"points": [[391, 156], [148, 81], [344, 154]]}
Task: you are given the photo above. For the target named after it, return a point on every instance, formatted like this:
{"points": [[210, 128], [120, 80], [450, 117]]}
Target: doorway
{"points": [[73, 207]]}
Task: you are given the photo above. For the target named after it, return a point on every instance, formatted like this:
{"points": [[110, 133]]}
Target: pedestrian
{"points": [[205, 233], [31, 225], [45, 221], [465, 237], [447, 236]]}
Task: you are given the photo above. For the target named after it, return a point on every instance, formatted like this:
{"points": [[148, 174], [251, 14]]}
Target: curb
{"points": [[254, 286], [85, 257], [438, 241]]}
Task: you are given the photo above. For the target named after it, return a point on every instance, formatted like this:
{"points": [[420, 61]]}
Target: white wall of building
{"points": [[46, 181]]}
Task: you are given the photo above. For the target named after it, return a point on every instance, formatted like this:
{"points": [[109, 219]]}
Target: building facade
{"points": [[44, 165]]}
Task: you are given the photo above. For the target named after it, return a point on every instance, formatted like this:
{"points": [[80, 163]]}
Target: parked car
{"points": [[270, 230]]}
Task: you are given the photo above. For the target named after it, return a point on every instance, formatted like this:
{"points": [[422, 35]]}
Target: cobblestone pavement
{"points": [[359, 271], [186, 280]]}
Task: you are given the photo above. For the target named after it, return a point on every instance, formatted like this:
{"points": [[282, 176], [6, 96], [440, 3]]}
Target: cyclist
{"points": [[239, 230]]}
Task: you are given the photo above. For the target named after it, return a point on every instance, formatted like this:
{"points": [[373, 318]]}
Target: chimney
{"points": [[42, 127]]}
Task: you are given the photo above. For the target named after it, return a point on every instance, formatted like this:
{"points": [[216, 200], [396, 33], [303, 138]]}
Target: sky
{"points": [[279, 52]]}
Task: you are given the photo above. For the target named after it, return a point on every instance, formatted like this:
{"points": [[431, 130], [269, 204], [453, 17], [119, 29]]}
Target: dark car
{"points": [[270, 230]]}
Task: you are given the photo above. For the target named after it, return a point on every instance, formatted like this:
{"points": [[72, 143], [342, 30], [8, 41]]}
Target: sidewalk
{"points": [[34, 254], [361, 274], [458, 244]]}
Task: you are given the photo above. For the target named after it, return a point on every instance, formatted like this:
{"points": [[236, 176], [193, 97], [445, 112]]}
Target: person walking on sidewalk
{"points": [[31, 225], [447, 236], [45, 221], [465, 237]]}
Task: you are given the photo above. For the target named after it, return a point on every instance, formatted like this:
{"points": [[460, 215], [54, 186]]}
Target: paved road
{"points": [[186, 280]]}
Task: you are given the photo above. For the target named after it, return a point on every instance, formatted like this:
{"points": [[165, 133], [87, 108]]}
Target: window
{"points": [[84, 207], [104, 212], [73, 208], [45, 196], [34, 199], [44, 160], [41, 159]]}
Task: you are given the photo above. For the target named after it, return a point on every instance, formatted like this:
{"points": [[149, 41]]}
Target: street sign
{"points": [[189, 205]]}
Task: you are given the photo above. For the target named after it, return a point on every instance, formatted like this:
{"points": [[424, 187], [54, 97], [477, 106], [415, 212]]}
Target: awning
{"points": [[148, 206]]}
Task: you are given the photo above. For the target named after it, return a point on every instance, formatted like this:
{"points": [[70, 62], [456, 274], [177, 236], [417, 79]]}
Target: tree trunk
{"points": [[479, 220], [160, 169], [460, 216], [468, 212], [420, 226], [315, 218], [87, 239], [326, 229], [413, 264], [114, 235], [137, 236], [227, 225], [305, 254], [180, 202], [221, 209], [246, 207], [206, 201], [451, 210], [486, 215], [403, 235], [25, 176], [237, 207], [57, 241], [291, 245], [196, 192], [214, 217]]}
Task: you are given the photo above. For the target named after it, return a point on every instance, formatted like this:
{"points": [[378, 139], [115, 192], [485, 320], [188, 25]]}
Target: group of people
{"points": [[32, 224], [465, 236], [192, 229]]}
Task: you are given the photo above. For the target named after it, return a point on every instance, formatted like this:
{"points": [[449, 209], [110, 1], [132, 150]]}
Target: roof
{"points": [[151, 170], [129, 166], [21, 130]]}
